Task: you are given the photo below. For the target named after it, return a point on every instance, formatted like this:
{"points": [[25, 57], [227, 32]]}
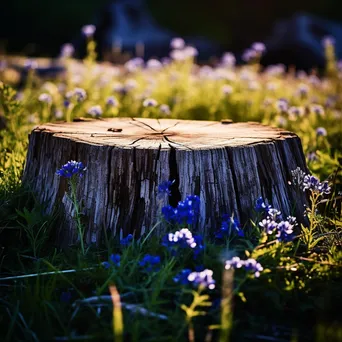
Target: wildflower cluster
{"points": [[250, 265], [186, 212], [313, 184], [202, 279], [309, 182], [183, 239], [273, 224], [72, 168], [127, 240], [114, 260], [150, 263]]}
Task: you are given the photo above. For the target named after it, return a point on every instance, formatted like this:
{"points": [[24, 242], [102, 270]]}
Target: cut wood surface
{"points": [[229, 165]]}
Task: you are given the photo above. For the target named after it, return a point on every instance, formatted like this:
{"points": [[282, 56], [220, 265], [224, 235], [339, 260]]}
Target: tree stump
{"points": [[228, 165]]}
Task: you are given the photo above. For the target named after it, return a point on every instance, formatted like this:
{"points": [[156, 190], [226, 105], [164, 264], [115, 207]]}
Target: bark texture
{"points": [[228, 165]]}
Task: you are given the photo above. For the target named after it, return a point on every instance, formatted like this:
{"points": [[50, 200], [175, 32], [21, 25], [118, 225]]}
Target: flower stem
{"points": [[73, 186]]}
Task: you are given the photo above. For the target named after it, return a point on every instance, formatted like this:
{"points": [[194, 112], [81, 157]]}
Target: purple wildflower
{"points": [[282, 105], [67, 50], [177, 43], [228, 59], [312, 183], [328, 41], [317, 109], [259, 47], [249, 55], [46, 98], [321, 132], [268, 225], [88, 30], [248, 265], [95, 111], [112, 101], [31, 64], [165, 109], [154, 64], [79, 93], [150, 103], [203, 279]]}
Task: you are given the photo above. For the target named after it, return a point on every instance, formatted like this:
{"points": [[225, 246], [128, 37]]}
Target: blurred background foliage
{"points": [[39, 27]]}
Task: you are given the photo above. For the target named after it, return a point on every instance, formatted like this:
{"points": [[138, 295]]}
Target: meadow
{"points": [[267, 279]]}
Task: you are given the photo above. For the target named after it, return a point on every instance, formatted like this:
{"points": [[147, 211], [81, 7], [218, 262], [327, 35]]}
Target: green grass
{"points": [[296, 297]]}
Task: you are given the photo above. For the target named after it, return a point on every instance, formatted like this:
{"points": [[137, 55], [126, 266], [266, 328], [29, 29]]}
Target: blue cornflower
{"points": [[164, 187], [187, 211], [65, 297], [114, 260], [229, 225], [261, 206], [169, 213], [71, 168], [182, 277], [127, 240], [150, 263]]}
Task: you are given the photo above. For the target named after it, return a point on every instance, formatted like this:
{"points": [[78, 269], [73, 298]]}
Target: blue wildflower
{"points": [[261, 206], [187, 211], [182, 277], [71, 168], [127, 240], [150, 263], [229, 226], [164, 187], [114, 260]]}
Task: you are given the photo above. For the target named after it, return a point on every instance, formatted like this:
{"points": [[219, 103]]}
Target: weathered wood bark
{"points": [[228, 165]]}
